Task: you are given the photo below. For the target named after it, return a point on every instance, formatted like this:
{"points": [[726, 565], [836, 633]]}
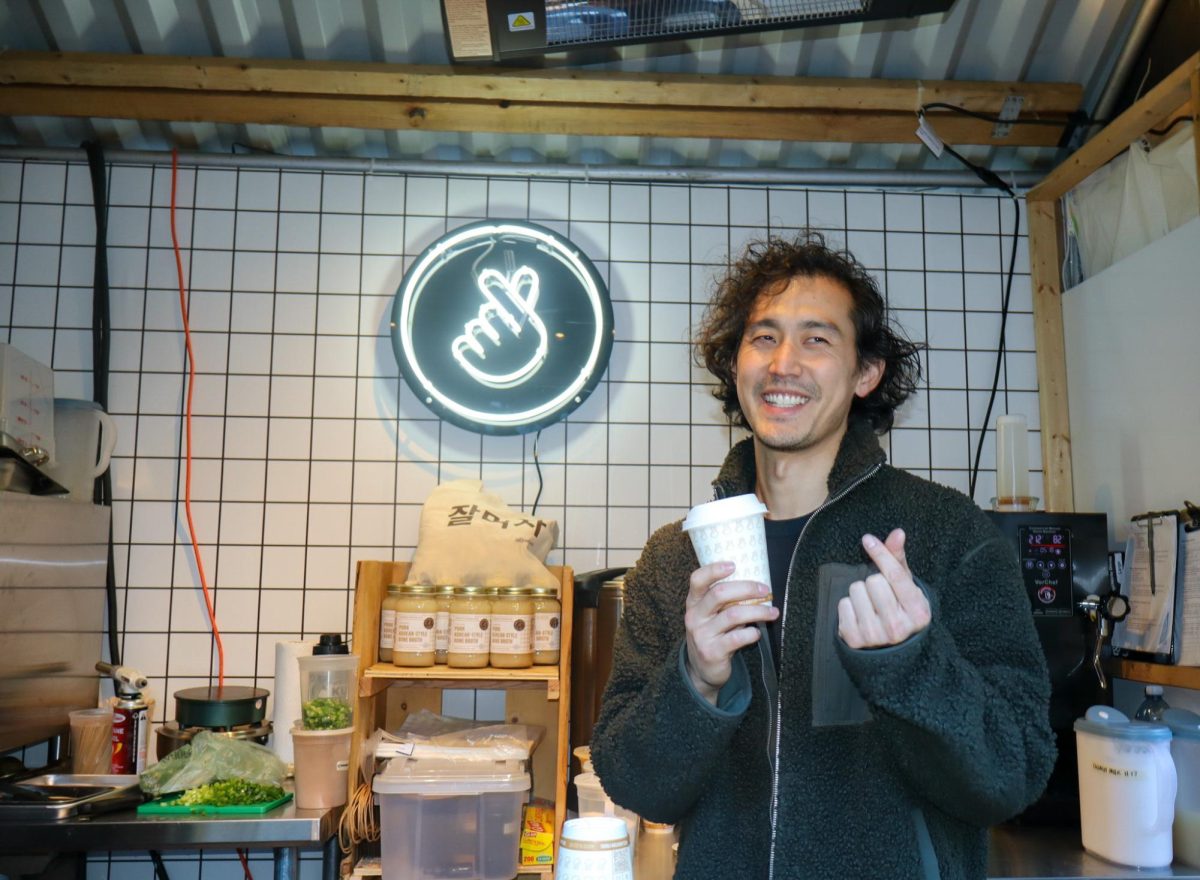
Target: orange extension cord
{"points": [[191, 382]]}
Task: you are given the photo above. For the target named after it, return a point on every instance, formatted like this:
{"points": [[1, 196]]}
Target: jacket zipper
{"points": [[777, 721]]}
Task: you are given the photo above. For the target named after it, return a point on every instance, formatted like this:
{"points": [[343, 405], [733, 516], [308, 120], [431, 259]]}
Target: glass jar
{"points": [[416, 614], [512, 628], [470, 638], [441, 628], [547, 626], [387, 623]]}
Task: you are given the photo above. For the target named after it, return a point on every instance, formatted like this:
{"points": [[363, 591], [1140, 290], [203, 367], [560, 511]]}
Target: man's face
{"points": [[797, 369]]}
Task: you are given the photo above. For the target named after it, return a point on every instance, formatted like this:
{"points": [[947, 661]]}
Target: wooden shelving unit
{"points": [[538, 695], [1155, 673]]}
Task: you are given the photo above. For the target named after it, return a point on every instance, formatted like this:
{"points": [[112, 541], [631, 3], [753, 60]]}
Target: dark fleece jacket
{"points": [[891, 763]]}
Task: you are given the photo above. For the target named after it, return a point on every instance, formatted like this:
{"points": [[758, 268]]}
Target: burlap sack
{"points": [[469, 536]]}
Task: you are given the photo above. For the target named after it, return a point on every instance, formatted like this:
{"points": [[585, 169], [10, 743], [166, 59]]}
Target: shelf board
{"points": [[1155, 673], [381, 675]]}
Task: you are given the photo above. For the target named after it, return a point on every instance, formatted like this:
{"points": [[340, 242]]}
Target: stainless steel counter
{"points": [[1015, 853], [1021, 853], [285, 829]]}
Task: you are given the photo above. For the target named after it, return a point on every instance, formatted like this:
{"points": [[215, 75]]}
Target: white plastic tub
{"points": [[451, 818], [594, 802]]}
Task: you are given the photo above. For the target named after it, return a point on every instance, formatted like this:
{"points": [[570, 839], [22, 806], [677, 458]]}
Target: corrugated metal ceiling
{"points": [[1014, 40]]}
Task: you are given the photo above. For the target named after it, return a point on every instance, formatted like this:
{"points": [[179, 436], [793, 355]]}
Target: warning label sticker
{"points": [[521, 21]]}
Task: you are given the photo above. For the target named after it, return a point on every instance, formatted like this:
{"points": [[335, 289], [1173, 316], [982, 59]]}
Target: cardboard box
{"points": [[537, 835]]}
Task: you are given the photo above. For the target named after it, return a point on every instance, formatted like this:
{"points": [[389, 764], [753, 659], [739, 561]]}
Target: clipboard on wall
{"points": [[1187, 591], [1148, 581]]}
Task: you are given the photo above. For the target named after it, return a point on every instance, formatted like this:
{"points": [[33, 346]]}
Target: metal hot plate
{"points": [[220, 707]]}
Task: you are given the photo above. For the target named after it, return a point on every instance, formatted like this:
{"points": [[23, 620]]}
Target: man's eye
{"points": [[762, 337], [818, 340]]}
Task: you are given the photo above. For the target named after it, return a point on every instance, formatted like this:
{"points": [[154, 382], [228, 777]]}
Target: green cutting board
{"points": [[167, 807]]}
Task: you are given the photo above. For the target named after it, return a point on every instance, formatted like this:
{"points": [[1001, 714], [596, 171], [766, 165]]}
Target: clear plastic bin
{"points": [[451, 818]]}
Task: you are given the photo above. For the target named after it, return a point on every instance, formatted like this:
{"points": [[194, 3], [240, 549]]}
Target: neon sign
{"points": [[502, 327]]}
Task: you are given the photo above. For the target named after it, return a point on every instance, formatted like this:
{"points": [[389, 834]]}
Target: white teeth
{"points": [[785, 399]]}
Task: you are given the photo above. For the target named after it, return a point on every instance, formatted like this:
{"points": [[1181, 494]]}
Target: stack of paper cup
{"points": [[731, 530]]}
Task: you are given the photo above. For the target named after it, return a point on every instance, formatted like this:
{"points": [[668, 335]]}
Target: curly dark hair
{"points": [[764, 269]]}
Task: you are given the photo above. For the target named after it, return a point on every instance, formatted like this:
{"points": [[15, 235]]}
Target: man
{"points": [[892, 702]]}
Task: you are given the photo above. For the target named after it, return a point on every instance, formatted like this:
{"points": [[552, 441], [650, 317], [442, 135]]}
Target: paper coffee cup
{"points": [[731, 530], [594, 848]]}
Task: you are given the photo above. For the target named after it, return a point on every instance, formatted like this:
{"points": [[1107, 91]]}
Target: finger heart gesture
{"points": [[887, 607]]}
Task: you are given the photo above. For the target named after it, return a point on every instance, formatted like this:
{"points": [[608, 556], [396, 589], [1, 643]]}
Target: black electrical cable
{"points": [[538, 466], [988, 117], [1162, 132], [994, 180], [101, 357], [160, 869], [987, 416]]}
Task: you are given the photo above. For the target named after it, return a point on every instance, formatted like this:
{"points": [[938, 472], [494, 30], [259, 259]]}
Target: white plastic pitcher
{"points": [[84, 438], [1127, 787]]}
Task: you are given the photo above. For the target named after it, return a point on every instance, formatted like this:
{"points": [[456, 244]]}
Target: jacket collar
{"points": [[860, 451]]}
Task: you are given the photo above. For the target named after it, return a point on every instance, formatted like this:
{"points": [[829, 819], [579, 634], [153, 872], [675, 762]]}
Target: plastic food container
{"points": [[1185, 751], [443, 817], [594, 802], [1126, 788]]}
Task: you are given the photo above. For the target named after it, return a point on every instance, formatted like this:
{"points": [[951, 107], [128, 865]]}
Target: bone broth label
{"points": [[414, 632], [469, 633], [512, 634], [546, 633]]}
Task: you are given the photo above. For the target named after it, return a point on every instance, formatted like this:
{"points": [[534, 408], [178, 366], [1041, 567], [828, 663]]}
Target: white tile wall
{"points": [[311, 454]]}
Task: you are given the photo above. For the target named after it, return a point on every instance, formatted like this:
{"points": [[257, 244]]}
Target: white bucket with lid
{"points": [[1126, 788]]}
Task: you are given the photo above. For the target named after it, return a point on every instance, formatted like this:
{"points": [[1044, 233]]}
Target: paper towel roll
{"points": [[286, 695]]}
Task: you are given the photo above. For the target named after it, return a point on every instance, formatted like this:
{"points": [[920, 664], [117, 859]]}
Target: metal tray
{"points": [[66, 795]]}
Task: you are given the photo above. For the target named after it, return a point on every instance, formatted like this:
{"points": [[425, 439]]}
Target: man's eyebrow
{"points": [[810, 324]]}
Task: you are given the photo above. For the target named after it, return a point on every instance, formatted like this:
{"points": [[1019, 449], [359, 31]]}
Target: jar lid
{"points": [[417, 589], [446, 589], [514, 592], [544, 591], [471, 590], [395, 588]]}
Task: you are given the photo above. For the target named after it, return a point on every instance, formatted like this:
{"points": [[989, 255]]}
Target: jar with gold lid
{"points": [[441, 629], [470, 636], [547, 626], [387, 623], [512, 628], [416, 613]]}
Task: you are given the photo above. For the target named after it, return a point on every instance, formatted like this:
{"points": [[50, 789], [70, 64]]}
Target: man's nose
{"points": [[787, 359]]}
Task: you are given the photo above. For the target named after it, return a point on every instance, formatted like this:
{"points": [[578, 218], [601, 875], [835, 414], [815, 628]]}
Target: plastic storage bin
{"points": [[594, 802], [442, 817]]}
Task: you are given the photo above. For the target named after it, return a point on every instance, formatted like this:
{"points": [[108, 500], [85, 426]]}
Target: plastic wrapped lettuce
{"points": [[211, 757]]}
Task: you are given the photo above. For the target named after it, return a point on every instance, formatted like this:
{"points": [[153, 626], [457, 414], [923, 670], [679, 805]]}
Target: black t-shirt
{"points": [[782, 535]]}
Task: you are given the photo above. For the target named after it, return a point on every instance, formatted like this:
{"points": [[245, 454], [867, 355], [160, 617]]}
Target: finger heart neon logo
{"points": [[511, 300]]}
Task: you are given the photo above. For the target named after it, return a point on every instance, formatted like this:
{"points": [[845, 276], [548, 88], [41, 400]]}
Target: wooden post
{"points": [[1045, 258]]}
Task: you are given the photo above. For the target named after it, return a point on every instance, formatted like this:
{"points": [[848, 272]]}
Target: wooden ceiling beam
{"points": [[375, 96]]}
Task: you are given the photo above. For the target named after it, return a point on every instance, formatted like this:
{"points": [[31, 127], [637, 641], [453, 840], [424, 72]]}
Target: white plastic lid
{"points": [[405, 775], [723, 510]]}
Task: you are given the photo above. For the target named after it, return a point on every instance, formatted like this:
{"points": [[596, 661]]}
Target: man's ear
{"points": [[870, 374]]}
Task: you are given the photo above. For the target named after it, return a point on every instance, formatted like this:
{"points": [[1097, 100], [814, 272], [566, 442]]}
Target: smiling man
{"points": [[890, 702]]}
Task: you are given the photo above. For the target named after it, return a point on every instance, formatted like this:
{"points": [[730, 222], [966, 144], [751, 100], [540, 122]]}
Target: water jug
{"points": [[1126, 788], [84, 437]]}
